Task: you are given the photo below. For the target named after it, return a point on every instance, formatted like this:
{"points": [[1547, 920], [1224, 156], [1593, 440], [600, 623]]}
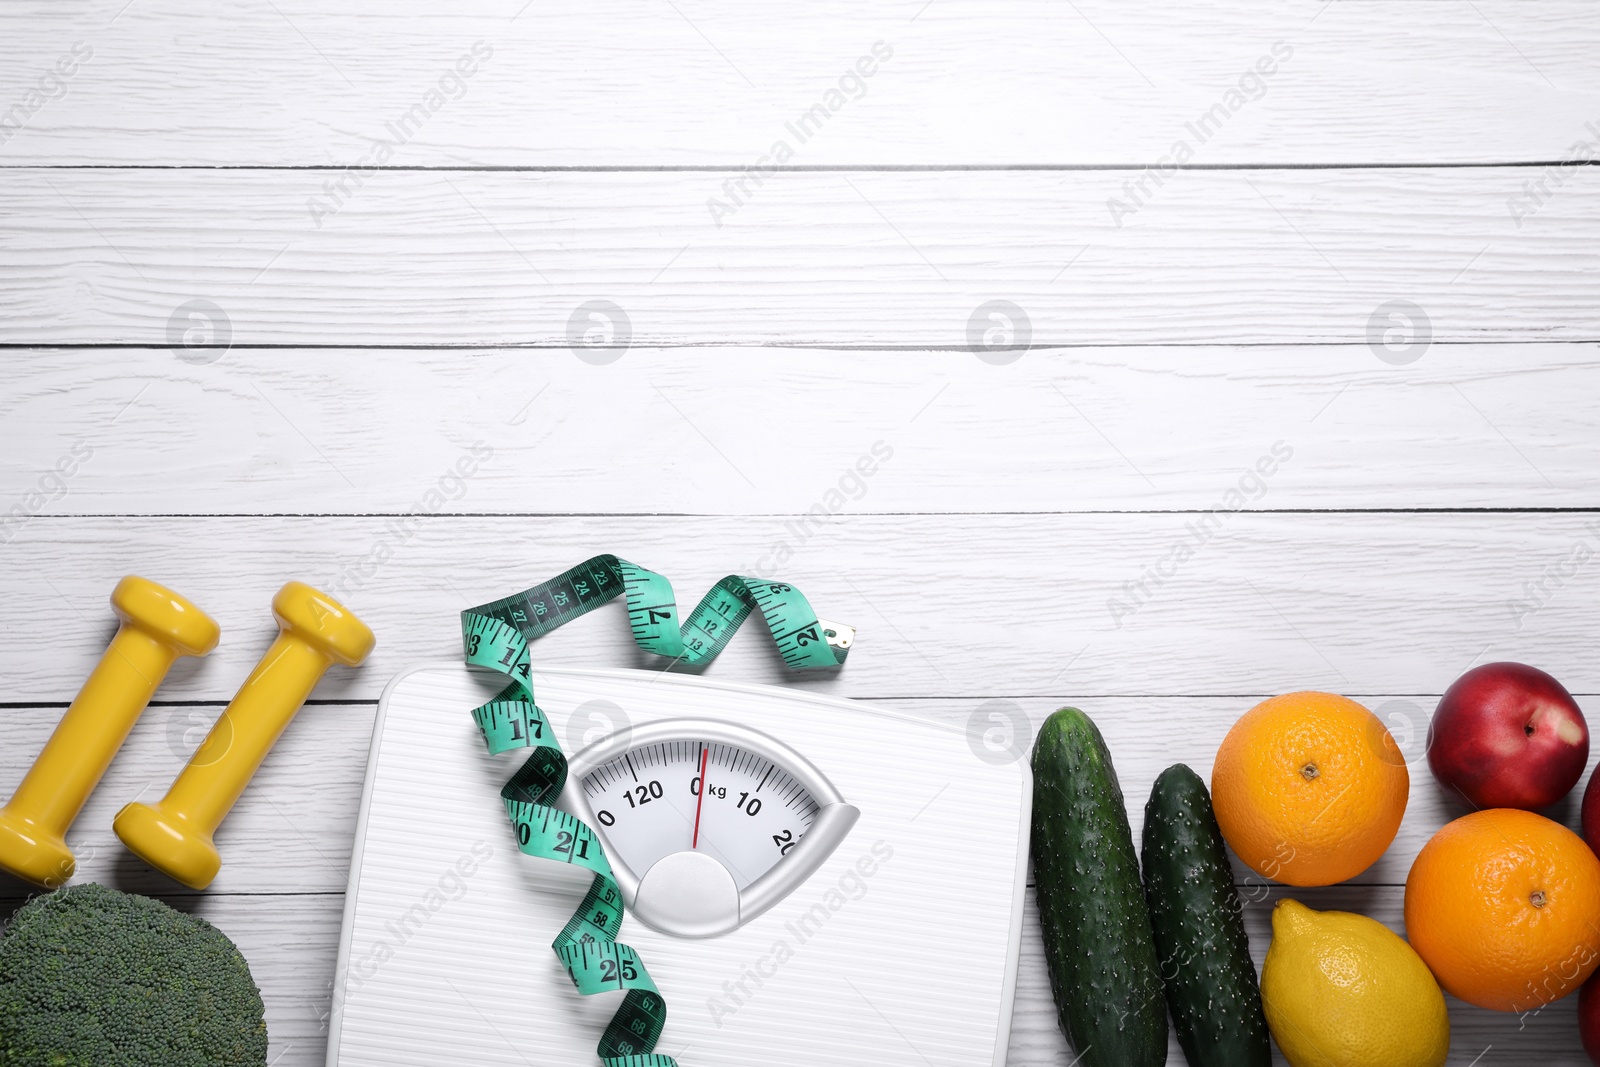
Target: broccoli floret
{"points": [[92, 977]]}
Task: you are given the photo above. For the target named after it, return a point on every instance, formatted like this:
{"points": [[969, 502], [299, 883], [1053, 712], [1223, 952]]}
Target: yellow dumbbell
{"points": [[158, 626], [175, 836]]}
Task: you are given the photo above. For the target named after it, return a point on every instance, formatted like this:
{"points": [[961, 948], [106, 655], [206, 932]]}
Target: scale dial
{"points": [[648, 804], [706, 824]]}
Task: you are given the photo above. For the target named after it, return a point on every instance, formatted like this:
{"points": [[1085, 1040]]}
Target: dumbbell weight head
{"points": [[32, 852], [166, 616], [323, 623]]}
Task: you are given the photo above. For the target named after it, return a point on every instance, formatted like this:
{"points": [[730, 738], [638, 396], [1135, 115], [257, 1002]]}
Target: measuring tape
{"points": [[497, 636]]}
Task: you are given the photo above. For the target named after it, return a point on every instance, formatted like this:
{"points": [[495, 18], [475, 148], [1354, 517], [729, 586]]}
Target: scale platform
{"points": [[901, 946]]}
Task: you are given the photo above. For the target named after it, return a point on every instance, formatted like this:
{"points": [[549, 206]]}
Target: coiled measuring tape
{"points": [[497, 636]]}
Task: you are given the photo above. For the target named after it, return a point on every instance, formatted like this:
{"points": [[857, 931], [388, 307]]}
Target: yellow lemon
{"points": [[1343, 990]]}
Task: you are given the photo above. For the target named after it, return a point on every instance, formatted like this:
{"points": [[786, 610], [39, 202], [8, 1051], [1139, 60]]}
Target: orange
{"points": [[1309, 788], [1504, 907]]}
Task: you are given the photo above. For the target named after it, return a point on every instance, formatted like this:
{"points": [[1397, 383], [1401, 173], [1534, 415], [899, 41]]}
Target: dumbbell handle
{"points": [[93, 729], [210, 784]]}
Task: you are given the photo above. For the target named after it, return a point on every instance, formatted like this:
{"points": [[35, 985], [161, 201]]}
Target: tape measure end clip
{"points": [[837, 634]]}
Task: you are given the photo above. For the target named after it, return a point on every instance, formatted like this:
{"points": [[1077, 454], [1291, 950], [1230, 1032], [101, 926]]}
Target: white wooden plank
{"points": [[290, 942], [946, 605], [274, 896], [1093, 429], [291, 831], [715, 82], [900, 259]]}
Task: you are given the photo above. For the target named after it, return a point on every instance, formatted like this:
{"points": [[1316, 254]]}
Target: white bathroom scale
{"points": [[810, 881]]}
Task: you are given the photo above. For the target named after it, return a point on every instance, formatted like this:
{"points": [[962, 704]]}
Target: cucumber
{"points": [[1097, 937], [1200, 939]]}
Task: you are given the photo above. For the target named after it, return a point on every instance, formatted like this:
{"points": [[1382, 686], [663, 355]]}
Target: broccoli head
{"points": [[92, 977]]}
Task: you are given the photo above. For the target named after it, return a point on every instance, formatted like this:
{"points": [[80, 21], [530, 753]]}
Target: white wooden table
{"points": [[273, 269]]}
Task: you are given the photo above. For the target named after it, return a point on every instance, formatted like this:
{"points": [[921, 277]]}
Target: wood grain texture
{"points": [[961, 605], [713, 82], [1193, 323], [896, 259], [290, 837], [291, 831], [737, 431], [290, 942]]}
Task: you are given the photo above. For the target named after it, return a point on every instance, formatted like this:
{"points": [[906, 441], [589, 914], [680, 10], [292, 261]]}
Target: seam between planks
{"points": [[1552, 509], [812, 168], [552, 346]]}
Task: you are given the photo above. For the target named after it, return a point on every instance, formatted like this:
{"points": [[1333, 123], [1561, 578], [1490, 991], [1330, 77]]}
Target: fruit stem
{"points": [[1309, 771], [1537, 897]]}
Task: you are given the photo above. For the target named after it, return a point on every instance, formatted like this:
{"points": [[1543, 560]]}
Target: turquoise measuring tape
{"points": [[497, 636]]}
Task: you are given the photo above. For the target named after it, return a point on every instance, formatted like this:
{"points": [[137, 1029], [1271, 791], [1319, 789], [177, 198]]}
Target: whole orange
{"points": [[1504, 907], [1309, 788]]}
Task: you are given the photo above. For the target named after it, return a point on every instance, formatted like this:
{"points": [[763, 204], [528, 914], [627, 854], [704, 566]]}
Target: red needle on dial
{"points": [[701, 799]]}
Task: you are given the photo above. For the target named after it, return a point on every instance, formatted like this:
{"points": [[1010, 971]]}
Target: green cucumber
{"points": [[1200, 939], [1097, 937]]}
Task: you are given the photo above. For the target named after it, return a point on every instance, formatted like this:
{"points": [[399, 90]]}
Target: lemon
{"points": [[1343, 990]]}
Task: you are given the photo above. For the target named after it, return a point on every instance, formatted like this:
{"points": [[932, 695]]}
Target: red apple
{"points": [[1507, 735], [1591, 813], [1589, 1017]]}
